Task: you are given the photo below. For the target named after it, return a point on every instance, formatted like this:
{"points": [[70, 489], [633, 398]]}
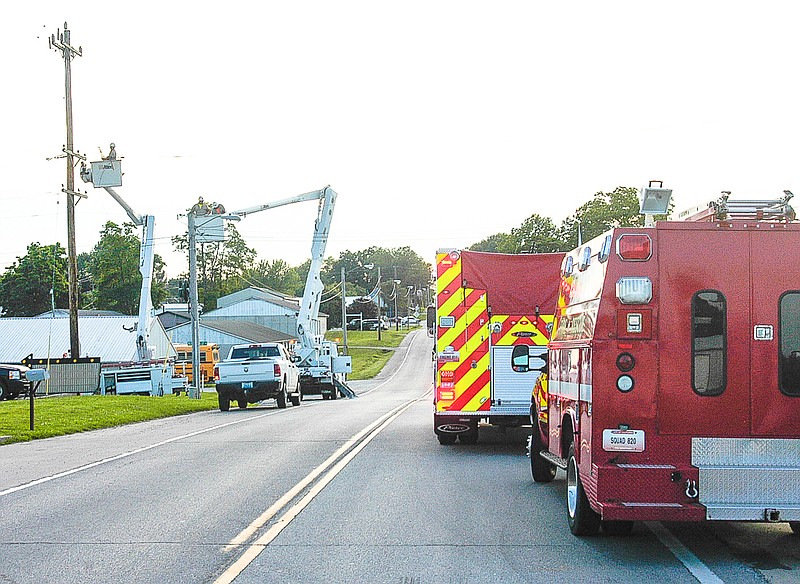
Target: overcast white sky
{"points": [[438, 123]]}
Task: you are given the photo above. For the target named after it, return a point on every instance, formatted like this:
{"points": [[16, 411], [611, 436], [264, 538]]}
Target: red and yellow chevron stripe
{"points": [[462, 372]]}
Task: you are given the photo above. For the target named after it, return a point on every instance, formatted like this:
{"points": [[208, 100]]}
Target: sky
{"points": [[438, 123]]}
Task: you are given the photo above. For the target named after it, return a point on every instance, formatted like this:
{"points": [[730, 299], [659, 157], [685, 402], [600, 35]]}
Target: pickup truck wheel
{"points": [[242, 404], [281, 399], [224, 403], [296, 399], [4, 391]]}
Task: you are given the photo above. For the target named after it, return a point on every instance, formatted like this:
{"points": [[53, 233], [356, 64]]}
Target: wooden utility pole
{"points": [[60, 42]]}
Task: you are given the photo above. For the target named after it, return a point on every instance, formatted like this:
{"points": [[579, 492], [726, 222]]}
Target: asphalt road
{"points": [[332, 491]]}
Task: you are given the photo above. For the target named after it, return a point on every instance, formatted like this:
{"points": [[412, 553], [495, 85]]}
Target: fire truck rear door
{"points": [[775, 332], [705, 332]]}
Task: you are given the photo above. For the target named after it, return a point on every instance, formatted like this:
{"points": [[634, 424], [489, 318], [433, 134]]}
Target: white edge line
{"points": [[127, 454], [698, 569]]}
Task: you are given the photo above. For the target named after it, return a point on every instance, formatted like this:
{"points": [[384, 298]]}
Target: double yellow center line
{"points": [[343, 455]]}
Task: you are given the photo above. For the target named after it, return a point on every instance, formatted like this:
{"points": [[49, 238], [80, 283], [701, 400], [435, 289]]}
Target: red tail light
{"points": [[277, 369], [634, 247], [216, 373]]}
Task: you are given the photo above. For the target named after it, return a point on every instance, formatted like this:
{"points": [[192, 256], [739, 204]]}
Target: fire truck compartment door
{"points": [[690, 263], [773, 332], [510, 388]]}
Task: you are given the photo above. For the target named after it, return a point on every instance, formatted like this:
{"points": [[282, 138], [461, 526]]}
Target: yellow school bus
{"points": [[209, 356]]}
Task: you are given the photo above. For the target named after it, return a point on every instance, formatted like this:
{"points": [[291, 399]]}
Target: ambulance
{"points": [[674, 371], [491, 324]]}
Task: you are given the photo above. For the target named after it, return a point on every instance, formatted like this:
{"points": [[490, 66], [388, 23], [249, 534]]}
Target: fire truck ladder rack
{"points": [[724, 209]]}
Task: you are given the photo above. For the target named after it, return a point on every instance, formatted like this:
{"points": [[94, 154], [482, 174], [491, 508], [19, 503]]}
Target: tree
{"points": [[619, 208], [25, 286], [497, 243], [537, 234], [276, 275], [113, 266]]}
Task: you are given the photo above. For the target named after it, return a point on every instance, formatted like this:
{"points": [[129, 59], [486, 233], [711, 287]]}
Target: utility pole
{"points": [[344, 314], [379, 303], [194, 308], [396, 283], [62, 44]]}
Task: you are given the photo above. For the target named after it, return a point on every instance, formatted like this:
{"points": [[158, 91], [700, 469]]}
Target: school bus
{"points": [[209, 356]]}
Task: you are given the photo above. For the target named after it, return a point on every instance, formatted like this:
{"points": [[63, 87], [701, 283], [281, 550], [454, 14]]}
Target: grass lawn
{"points": [[369, 355], [57, 416]]}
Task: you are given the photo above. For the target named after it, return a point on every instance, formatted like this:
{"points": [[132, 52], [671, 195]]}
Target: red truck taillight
{"points": [[216, 373], [277, 369]]}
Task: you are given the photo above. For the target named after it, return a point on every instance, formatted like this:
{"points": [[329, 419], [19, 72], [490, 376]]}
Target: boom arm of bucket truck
{"points": [[146, 255], [309, 306]]}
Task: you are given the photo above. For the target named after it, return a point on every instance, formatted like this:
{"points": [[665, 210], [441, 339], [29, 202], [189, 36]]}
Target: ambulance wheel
{"points": [[617, 527], [581, 517], [541, 470], [445, 439], [242, 404], [470, 437], [224, 403], [795, 525]]}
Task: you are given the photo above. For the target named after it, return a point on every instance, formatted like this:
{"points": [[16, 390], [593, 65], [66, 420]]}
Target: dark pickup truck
{"points": [[13, 381]]}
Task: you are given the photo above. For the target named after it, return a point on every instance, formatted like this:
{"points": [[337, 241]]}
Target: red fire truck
{"points": [[674, 372], [491, 322]]}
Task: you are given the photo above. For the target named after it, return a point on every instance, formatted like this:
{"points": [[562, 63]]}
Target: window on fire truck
{"points": [[709, 342], [789, 334]]}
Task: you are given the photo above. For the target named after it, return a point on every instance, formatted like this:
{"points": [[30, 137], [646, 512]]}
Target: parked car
{"points": [[371, 324], [354, 325]]}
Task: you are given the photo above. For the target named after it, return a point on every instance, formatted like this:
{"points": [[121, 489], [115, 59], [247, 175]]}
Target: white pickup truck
{"points": [[255, 372]]}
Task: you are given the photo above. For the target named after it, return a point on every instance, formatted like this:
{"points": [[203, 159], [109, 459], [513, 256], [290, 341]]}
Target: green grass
{"points": [[57, 416], [369, 355]]}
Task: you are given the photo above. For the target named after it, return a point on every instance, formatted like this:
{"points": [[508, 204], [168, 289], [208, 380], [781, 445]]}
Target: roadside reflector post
{"points": [[37, 375]]}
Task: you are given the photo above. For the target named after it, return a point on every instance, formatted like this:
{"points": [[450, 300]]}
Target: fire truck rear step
{"points": [[748, 479]]}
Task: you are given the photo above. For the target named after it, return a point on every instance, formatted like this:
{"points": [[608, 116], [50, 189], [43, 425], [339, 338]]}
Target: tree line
{"points": [[109, 277]]}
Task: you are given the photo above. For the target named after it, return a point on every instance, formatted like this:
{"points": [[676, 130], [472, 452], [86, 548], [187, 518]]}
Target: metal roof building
{"points": [[111, 338], [265, 307], [227, 333]]}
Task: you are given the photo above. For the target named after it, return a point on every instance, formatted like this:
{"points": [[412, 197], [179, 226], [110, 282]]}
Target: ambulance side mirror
{"points": [[526, 358], [430, 320]]}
